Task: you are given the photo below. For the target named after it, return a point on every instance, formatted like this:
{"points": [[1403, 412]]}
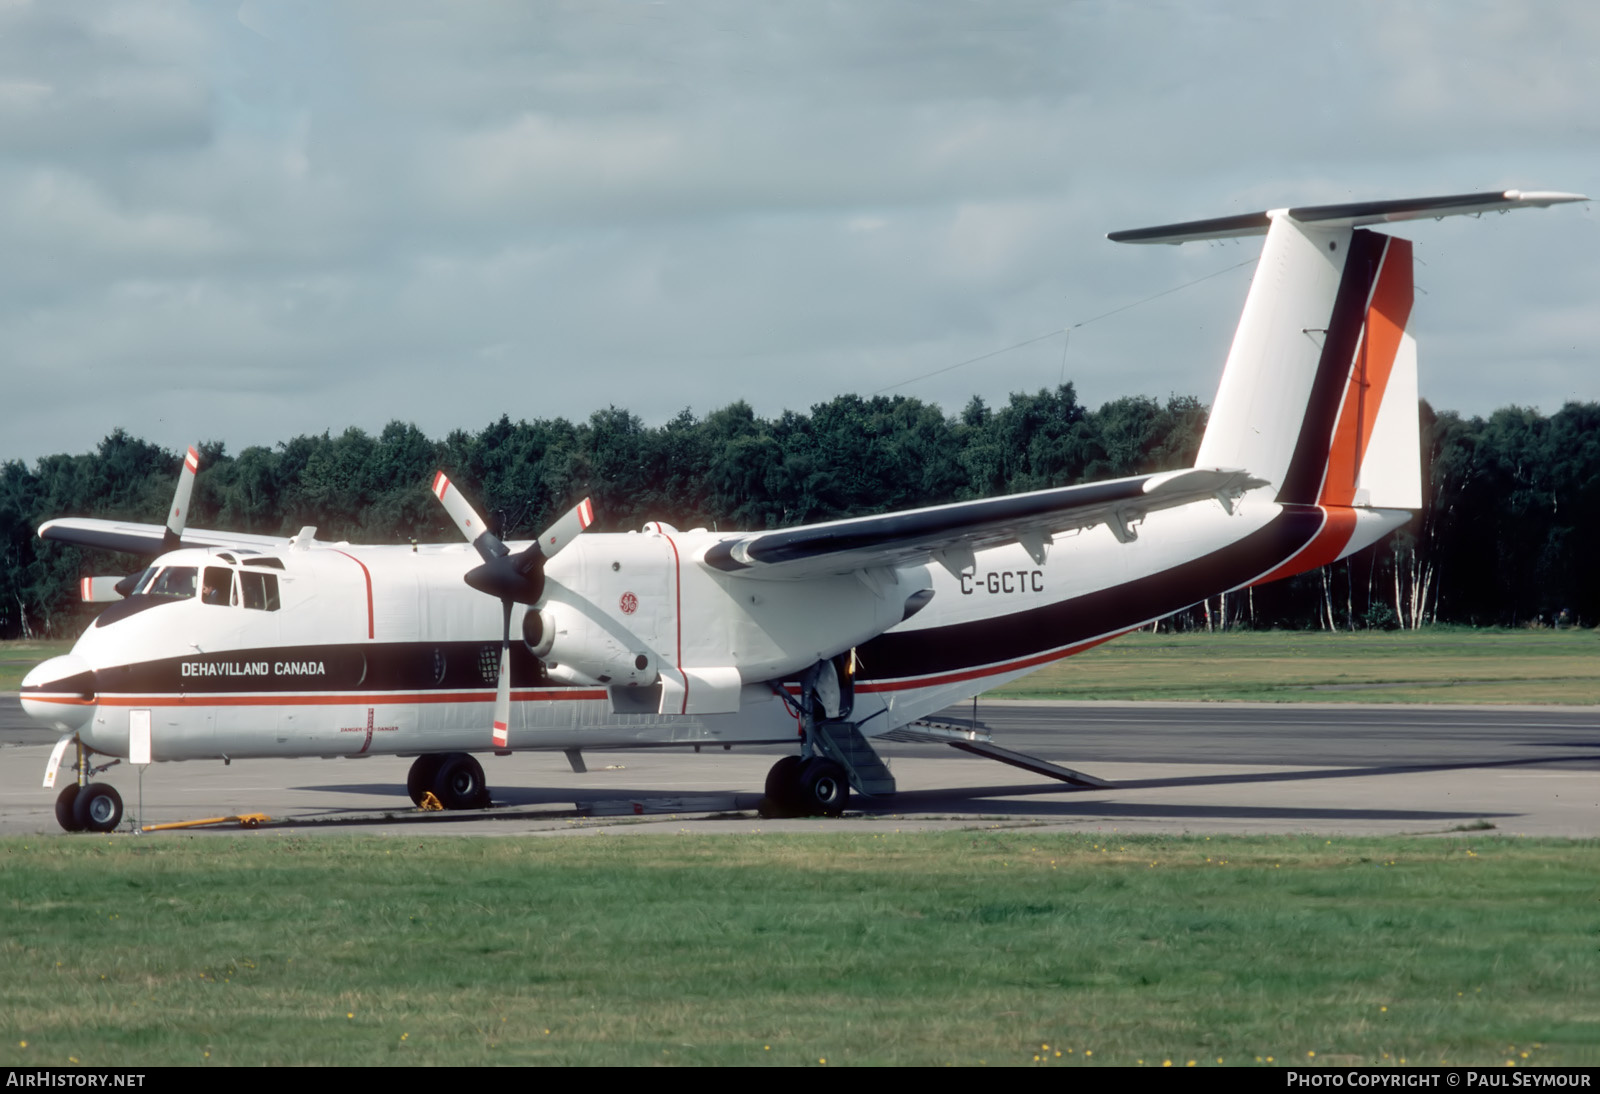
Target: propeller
{"points": [[513, 578], [100, 590], [178, 515]]}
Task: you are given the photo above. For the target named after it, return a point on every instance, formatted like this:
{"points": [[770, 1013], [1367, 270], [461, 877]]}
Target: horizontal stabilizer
{"points": [[1353, 214]]}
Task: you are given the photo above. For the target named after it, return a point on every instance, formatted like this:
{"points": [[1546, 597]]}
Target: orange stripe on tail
{"points": [[1387, 314]]}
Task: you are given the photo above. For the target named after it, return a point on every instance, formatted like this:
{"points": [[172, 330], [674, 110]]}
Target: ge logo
{"points": [[629, 604]]}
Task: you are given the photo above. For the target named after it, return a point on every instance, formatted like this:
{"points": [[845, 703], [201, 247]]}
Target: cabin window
{"points": [[216, 587], [260, 590], [176, 582]]}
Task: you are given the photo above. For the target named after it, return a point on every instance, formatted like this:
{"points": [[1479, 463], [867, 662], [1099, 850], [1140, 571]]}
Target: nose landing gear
{"points": [[85, 807]]}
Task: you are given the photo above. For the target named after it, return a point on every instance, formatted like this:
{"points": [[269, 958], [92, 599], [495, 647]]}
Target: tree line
{"points": [[1511, 502]]}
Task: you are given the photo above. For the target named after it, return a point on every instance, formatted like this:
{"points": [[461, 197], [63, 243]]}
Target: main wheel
{"points": [[64, 802], [459, 784], [782, 790], [98, 808], [824, 788], [419, 780]]}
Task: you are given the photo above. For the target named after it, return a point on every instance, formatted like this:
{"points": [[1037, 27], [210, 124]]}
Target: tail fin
{"points": [[1312, 375], [1319, 395]]}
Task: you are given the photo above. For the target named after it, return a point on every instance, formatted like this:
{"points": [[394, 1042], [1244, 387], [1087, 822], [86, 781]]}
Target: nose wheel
{"points": [[83, 806], [64, 814], [97, 808]]}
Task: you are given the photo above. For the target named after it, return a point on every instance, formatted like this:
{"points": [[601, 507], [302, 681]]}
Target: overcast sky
{"points": [[243, 223]]}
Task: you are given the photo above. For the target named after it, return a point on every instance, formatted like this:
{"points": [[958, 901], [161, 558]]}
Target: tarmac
{"points": [[1202, 768]]}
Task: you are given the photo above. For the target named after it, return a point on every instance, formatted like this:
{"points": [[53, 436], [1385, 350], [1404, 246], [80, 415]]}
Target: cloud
{"points": [[246, 222]]}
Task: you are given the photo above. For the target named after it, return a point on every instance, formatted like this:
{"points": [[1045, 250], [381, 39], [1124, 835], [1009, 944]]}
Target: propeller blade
{"points": [[510, 577], [101, 590], [178, 515], [502, 694], [467, 518], [566, 529]]}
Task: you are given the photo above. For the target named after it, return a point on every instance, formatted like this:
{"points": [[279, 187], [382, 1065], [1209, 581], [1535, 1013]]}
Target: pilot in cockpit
{"points": [[213, 591]]}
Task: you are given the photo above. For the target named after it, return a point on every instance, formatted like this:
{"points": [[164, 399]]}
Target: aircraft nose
{"points": [[60, 693]]}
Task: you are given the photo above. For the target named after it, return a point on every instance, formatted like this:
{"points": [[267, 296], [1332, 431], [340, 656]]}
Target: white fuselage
{"points": [[385, 650]]}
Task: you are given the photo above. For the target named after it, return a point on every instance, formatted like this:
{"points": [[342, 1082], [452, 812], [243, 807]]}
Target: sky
{"points": [[246, 222]]}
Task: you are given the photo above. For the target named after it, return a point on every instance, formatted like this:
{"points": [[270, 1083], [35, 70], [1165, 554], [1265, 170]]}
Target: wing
{"points": [[948, 534], [148, 539]]}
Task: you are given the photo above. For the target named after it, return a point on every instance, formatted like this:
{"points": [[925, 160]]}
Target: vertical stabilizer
{"points": [[1278, 349], [1319, 393], [1319, 396]]}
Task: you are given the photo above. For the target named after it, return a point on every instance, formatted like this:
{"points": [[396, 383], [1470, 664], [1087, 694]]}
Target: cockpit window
{"points": [[142, 580], [217, 588], [260, 590], [176, 582]]}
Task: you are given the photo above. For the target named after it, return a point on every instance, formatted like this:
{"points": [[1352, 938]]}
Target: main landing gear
{"points": [[83, 806], [455, 779], [833, 754], [798, 787]]}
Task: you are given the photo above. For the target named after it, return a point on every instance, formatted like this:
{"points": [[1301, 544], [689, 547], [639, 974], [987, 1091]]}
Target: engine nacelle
{"points": [[578, 648]]}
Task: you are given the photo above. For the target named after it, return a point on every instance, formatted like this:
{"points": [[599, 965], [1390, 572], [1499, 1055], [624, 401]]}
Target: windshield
{"points": [[176, 582]]}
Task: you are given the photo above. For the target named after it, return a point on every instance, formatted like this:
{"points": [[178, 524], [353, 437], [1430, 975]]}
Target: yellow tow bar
{"points": [[249, 820]]}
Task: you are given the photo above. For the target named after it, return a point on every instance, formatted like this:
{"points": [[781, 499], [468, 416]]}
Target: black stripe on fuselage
{"points": [[404, 667], [1302, 483], [1001, 638], [421, 667]]}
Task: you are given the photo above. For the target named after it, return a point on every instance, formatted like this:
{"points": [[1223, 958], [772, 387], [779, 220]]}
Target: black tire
{"points": [[782, 789], [419, 780], [64, 814], [98, 808], [824, 788], [459, 783]]}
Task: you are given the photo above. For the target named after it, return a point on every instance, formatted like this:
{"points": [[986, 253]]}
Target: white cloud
{"points": [[252, 221]]}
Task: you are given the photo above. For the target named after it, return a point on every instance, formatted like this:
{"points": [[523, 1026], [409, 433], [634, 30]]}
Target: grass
{"points": [[1438, 665], [18, 656], [975, 947]]}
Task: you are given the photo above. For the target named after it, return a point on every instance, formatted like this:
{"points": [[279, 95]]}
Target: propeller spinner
{"points": [[513, 578]]}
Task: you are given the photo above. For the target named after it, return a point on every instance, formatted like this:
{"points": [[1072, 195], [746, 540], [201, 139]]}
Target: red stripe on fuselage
{"points": [[368, 575], [988, 670], [677, 584], [1338, 525]]}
